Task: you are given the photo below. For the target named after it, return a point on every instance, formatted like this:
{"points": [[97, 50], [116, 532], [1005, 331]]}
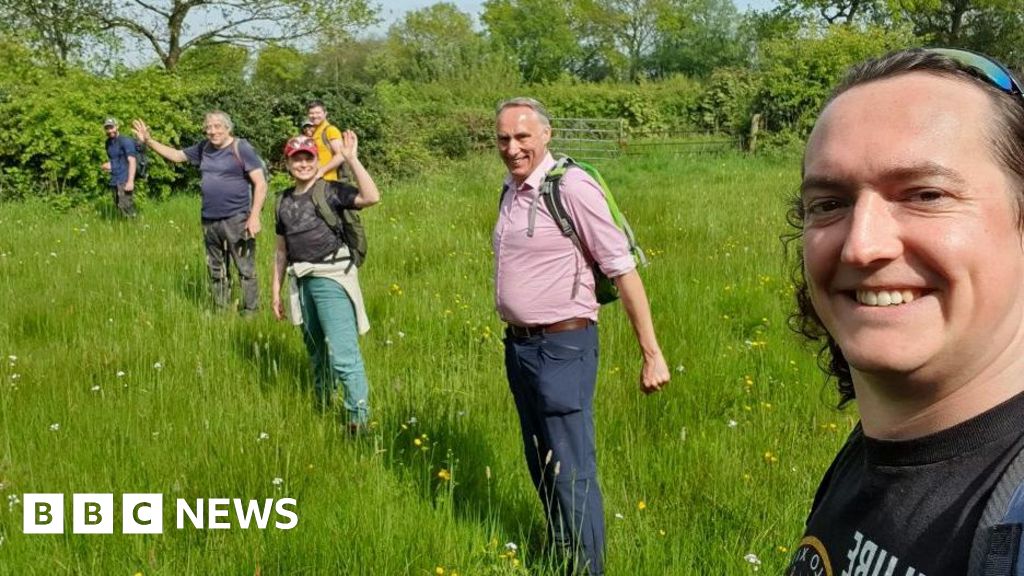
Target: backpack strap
{"points": [[325, 139], [238, 156], [996, 548], [551, 193], [318, 194]]}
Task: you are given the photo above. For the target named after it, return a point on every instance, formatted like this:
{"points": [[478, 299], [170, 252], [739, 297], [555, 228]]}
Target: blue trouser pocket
{"points": [[561, 377]]}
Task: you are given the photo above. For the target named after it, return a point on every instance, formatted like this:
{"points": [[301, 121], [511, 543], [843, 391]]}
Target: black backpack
{"points": [[141, 161]]}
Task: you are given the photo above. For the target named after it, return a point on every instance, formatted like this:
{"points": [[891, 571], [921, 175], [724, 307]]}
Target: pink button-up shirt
{"points": [[534, 276]]}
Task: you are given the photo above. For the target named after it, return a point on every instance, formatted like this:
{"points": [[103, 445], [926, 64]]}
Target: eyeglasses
{"points": [[986, 68]]}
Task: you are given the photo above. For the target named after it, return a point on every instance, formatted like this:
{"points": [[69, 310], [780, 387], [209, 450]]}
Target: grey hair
{"points": [[525, 102], [223, 117]]}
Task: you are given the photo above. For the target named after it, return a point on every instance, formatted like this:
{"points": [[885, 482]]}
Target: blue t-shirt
{"points": [[225, 182], [119, 149]]}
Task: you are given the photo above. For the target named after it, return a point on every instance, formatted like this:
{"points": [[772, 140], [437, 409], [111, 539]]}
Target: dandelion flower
{"points": [[439, 571], [444, 474], [417, 442], [641, 505]]}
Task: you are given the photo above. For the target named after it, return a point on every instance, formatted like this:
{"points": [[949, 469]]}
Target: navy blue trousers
{"points": [[552, 378]]}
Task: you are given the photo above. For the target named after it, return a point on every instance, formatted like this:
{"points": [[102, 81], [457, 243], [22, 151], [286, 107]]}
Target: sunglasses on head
{"points": [[986, 68]]}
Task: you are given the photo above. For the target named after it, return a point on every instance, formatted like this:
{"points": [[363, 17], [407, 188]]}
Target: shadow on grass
{"points": [[271, 352], [447, 463], [193, 283]]}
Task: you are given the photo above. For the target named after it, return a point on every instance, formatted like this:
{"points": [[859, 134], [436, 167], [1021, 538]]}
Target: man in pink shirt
{"points": [[544, 290]]}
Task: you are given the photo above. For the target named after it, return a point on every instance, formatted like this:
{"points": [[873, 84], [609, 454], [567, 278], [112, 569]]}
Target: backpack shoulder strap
{"points": [[996, 548], [551, 192], [277, 203], [202, 152], [238, 155], [325, 139], [318, 194]]}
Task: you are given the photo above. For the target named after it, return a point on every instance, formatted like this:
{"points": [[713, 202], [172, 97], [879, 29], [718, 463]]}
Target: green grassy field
{"points": [[116, 377]]}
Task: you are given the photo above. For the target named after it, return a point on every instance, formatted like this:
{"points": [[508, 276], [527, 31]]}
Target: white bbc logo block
{"points": [[92, 514], [43, 514], [142, 514]]}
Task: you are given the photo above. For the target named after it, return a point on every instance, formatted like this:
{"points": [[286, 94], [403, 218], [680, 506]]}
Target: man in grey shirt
{"points": [[234, 188]]}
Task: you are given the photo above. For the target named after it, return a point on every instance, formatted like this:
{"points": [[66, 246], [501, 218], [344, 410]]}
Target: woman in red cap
{"points": [[320, 245]]}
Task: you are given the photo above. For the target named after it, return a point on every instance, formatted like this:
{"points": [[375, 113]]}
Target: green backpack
{"points": [[550, 190], [347, 226]]}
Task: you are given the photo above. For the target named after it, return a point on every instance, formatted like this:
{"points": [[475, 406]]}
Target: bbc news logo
{"points": [[144, 514]]}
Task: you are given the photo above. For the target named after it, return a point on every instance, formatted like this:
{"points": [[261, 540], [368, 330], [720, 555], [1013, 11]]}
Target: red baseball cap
{"points": [[299, 144]]}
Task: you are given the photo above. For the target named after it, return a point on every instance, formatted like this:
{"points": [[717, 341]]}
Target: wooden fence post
{"points": [[755, 126], [622, 136]]}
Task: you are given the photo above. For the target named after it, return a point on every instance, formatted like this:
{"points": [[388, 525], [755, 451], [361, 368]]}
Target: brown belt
{"points": [[563, 326]]}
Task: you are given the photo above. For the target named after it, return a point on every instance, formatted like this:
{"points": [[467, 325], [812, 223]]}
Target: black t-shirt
{"points": [[307, 237], [908, 508]]}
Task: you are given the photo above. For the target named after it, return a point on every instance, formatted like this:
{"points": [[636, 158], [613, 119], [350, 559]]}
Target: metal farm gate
{"points": [[595, 139]]}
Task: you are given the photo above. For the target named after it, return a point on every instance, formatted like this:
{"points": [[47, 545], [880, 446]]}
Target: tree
{"points": [[538, 32], [172, 27], [965, 23], [279, 69], [434, 43], [635, 27], [698, 36], [57, 28]]}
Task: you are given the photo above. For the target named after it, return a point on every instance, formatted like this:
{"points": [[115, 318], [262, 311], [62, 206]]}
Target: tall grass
{"points": [[117, 377]]}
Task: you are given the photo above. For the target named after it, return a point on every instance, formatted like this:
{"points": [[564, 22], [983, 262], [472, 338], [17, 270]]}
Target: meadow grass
{"points": [[117, 377]]}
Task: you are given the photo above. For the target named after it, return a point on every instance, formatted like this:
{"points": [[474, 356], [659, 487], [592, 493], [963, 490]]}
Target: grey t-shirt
{"points": [[225, 182]]}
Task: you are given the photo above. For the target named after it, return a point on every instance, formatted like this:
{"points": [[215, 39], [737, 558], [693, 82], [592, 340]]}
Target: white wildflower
{"points": [[731, 424], [120, 373], [511, 546], [277, 481], [55, 427], [753, 560], [263, 436], [95, 388], [158, 366]]}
